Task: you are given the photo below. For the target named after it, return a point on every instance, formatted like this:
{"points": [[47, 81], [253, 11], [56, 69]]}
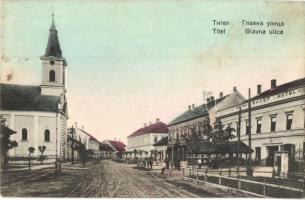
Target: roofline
{"points": [[263, 106], [146, 134], [89, 135], [188, 119], [247, 100]]}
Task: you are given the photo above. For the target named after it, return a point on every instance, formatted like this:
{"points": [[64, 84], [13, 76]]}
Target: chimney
{"points": [[83, 127], [259, 89], [145, 124], [212, 98], [220, 94], [190, 107], [75, 124], [234, 89], [193, 106], [273, 83], [208, 100], [157, 120]]}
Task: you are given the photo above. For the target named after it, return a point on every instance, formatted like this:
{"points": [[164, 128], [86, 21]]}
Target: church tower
{"points": [[53, 66]]}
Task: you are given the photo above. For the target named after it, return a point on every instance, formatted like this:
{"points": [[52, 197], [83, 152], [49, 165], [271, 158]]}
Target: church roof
{"points": [[196, 112], [26, 98], [158, 127]]}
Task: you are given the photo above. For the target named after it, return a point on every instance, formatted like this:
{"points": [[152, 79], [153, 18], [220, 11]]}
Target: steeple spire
{"points": [[53, 47], [53, 23]]}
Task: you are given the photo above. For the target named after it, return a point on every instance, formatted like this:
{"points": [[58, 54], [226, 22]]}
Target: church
{"points": [[39, 113]]}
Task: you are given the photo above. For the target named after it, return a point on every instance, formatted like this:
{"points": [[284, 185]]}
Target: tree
{"points": [[31, 150], [135, 151], [219, 135], [140, 153], [6, 143], [41, 149]]}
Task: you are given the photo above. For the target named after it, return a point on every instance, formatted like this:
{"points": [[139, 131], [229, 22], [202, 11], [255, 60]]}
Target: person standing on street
{"points": [[163, 167], [199, 163]]}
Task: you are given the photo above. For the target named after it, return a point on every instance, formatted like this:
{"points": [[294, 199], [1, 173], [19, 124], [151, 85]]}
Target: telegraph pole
{"points": [[250, 153], [72, 145], [238, 136]]}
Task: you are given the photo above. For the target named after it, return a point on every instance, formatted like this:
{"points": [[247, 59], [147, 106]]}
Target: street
{"points": [[96, 179]]}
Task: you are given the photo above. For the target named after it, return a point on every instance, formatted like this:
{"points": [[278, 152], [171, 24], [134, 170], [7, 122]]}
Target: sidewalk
{"points": [[26, 168]]}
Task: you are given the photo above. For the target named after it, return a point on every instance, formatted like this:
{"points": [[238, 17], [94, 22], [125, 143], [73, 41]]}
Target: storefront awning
{"points": [[232, 147]]}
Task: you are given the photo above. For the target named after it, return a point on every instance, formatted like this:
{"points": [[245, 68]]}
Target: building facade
{"points": [[39, 114], [277, 121], [112, 149], [145, 138], [196, 120], [81, 137]]}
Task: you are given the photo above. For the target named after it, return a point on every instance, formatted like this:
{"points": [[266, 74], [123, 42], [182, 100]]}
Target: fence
{"points": [[243, 185]]}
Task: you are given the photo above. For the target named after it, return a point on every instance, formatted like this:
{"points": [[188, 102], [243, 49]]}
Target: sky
{"points": [[132, 61]]}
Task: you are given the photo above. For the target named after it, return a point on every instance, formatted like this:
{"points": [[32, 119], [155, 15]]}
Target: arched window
{"points": [[51, 75], [24, 134], [47, 135]]}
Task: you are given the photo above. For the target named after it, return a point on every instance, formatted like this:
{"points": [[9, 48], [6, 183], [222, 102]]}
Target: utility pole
{"points": [[250, 153], [238, 136], [72, 145]]}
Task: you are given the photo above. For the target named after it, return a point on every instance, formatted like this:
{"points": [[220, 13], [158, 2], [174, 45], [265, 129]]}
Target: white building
{"points": [[39, 113], [145, 137], [196, 120], [91, 144], [277, 121]]}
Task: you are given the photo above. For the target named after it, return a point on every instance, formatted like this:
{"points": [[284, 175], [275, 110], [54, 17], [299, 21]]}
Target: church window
{"points": [[24, 133], [47, 135], [52, 76]]}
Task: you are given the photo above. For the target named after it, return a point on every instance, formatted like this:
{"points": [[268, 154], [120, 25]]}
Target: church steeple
{"points": [[53, 47], [53, 66]]}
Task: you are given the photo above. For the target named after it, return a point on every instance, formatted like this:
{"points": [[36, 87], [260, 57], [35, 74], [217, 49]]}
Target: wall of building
{"points": [[175, 131], [144, 142], [36, 123], [265, 109]]}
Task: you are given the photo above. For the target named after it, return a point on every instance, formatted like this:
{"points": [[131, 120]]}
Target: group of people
{"points": [[148, 164], [212, 163]]}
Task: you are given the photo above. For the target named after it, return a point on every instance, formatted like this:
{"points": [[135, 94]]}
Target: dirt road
{"points": [[99, 179]]}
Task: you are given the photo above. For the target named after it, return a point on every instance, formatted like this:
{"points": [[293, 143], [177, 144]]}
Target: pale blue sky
{"points": [[130, 62]]}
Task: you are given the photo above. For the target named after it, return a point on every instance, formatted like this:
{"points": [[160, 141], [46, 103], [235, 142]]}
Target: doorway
{"points": [[258, 154], [270, 158]]}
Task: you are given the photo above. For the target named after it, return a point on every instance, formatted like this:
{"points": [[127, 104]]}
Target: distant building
{"points": [[145, 137], [39, 114], [161, 149], [91, 144], [112, 149], [195, 120], [277, 120]]}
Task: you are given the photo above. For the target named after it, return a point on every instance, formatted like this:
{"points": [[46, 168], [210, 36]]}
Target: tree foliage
{"points": [[221, 135]]}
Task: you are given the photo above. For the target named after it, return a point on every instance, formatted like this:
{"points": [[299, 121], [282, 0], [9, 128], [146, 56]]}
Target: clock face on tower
{"points": [[52, 62]]}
